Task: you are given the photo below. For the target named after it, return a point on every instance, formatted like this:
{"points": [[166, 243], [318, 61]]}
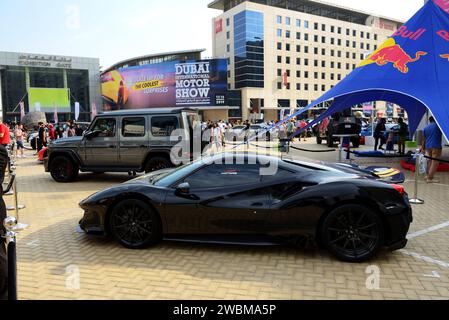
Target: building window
{"points": [[332, 41], [306, 62], [315, 87], [339, 65], [228, 35], [332, 53], [323, 87], [228, 22], [306, 86], [315, 26], [279, 19], [354, 44], [287, 34], [323, 76], [279, 59], [339, 77], [279, 72], [287, 21], [279, 85], [315, 63], [298, 86], [323, 64], [332, 29], [323, 27], [279, 45], [298, 23], [287, 60], [323, 52], [348, 32], [339, 42], [368, 35], [315, 75], [375, 37], [353, 55], [362, 34], [287, 46], [339, 54], [348, 43], [362, 46], [288, 86], [339, 30], [288, 73], [306, 37], [332, 76], [347, 66], [315, 50], [362, 57], [306, 49], [354, 33], [298, 48], [228, 48], [298, 74], [279, 32], [306, 24], [323, 39], [298, 35], [332, 64], [306, 74], [368, 47], [298, 61]]}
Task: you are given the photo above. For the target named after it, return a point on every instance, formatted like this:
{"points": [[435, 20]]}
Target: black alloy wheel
{"points": [[62, 169], [135, 225], [352, 233], [157, 163]]}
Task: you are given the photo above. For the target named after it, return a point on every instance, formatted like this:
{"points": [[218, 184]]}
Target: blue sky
{"points": [[115, 30]]}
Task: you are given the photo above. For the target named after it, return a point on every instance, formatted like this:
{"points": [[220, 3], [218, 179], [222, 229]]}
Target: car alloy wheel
{"points": [[63, 169], [353, 233], [135, 225], [157, 163]]}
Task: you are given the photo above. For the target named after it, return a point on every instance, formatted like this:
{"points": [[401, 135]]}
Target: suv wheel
{"points": [[135, 224], [352, 233], [157, 163], [62, 169]]}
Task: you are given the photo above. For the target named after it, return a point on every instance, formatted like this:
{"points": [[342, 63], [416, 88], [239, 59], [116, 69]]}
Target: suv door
{"points": [[134, 141], [101, 149]]}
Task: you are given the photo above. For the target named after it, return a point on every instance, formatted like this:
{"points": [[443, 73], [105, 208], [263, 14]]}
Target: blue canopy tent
{"points": [[410, 69]]}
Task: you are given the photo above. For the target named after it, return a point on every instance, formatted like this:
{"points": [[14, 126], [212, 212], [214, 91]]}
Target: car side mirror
{"points": [[91, 134], [183, 189]]}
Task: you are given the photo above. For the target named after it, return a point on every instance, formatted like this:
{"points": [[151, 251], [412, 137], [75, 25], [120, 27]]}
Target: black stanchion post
{"points": [[10, 224]]}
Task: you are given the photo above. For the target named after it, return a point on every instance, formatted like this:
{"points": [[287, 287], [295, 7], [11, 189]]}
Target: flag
{"points": [[22, 110], [77, 111], [94, 111], [285, 78], [55, 114]]}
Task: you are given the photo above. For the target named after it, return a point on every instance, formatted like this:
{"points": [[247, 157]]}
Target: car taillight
{"points": [[399, 189]]}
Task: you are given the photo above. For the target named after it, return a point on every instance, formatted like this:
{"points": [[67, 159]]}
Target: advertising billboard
{"points": [[200, 83], [46, 99]]}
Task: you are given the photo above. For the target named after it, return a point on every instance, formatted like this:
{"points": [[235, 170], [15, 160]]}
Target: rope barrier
{"points": [[313, 151], [434, 159]]}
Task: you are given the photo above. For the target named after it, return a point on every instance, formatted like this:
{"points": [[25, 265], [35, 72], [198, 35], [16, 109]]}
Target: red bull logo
{"points": [[445, 56], [390, 52]]}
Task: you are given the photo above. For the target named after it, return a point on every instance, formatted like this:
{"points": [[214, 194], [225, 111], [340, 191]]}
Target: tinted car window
{"points": [[222, 175], [133, 127], [164, 126], [106, 127]]}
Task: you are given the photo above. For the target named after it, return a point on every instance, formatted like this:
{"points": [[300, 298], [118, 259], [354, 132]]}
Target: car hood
{"points": [[67, 142], [146, 179]]}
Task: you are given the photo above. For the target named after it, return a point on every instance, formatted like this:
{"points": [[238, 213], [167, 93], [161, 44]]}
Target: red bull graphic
{"points": [[390, 52], [445, 56]]}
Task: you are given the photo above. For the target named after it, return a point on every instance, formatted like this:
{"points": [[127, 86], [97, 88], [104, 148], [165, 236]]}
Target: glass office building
{"points": [[21, 71], [249, 49]]}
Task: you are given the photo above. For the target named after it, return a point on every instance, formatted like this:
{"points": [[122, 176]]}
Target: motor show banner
{"points": [[201, 83]]}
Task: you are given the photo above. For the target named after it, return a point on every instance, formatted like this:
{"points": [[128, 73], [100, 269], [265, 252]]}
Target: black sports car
{"points": [[251, 199]]}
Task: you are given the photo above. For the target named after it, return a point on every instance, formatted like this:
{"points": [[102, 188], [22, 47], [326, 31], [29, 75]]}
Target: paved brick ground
{"points": [[51, 253]]}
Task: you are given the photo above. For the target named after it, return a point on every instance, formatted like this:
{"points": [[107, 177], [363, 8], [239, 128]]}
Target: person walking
{"points": [[379, 134], [19, 135], [290, 127], [402, 135], [433, 146], [42, 141]]}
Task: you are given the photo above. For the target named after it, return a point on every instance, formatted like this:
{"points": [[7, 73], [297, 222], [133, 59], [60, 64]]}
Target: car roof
{"points": [[146, 111]]}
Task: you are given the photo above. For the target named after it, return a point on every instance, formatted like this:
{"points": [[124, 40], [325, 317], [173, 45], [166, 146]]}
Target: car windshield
{"points": [[170, 178]]}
